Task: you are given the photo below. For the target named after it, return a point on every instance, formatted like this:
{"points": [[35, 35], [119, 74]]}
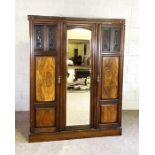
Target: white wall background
{"points": [[127, 9]]}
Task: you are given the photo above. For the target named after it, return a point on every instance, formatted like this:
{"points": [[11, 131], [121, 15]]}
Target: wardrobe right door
{"points": [[110, 75]]}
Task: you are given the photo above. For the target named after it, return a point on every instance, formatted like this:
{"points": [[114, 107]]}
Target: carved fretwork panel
{"points": [[116, 39], [51, 38], [106, 39], [39, 37], [111, 39]]}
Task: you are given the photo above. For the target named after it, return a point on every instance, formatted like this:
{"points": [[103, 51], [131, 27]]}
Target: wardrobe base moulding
{"points": [[66, 135]]}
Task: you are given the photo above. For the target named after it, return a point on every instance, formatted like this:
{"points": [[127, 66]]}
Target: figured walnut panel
{"points": [[108, 114], [45, 117], [45, 78], [110, 68]]}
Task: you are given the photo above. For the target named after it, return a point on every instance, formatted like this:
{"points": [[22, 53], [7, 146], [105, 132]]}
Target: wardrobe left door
{"points": [[44, 76]]}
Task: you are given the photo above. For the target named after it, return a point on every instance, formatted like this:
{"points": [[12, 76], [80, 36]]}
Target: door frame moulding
{"points": [[91, 27]]}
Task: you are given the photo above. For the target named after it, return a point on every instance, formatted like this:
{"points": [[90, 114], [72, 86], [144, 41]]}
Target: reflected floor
{"points": [[78, 108]]}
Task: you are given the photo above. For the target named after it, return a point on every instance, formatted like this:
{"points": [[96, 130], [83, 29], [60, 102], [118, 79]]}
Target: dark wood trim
{"points": [[121, 74], [31, 77], [40, 53], [63, 73], [77, 134], [106, 53], [112, 101], [93, 78], [96, 72], [98, 78], [43, 104], [77, 127], [109, 125], [78, 25], [44, 129], [45, 38], [58, 72], [76, 19]]}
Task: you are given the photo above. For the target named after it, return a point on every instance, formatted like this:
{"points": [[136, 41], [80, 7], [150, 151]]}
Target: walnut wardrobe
{"points": [[48, 77]]}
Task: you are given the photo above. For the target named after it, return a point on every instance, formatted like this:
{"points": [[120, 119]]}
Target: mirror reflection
{"points": [[78, 76]]}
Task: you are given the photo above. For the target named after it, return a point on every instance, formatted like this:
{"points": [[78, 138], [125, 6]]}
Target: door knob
{"points": [[98, 78], [59, 79]]}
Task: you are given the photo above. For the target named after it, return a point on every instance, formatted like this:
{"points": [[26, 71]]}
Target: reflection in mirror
{"points": [[78, 77]]}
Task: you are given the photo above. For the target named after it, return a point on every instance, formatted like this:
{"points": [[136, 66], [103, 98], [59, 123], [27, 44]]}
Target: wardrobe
{"points": [[48, 80]]}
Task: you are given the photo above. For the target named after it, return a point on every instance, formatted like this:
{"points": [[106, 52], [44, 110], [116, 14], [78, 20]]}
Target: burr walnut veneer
{"points": [[48, 70]]}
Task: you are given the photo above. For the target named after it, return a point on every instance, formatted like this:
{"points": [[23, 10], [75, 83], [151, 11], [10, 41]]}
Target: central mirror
{"points": [[78, 77]]}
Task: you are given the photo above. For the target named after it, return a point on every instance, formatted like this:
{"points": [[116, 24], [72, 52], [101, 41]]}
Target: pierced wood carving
{"points": [[116, 39], [52, 37], [39, 39], [106, 39]]}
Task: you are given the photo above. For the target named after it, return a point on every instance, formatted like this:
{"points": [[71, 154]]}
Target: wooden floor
{"points": [[127, 144]]}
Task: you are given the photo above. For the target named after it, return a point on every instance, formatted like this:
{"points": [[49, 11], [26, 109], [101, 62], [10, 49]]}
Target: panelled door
{"points": [[44, 74], [110, 72]]}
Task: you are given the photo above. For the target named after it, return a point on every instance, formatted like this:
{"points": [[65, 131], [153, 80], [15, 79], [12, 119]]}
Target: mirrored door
{"points": [[78, 77]]}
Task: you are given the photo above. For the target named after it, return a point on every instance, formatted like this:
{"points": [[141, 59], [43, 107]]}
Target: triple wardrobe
{"points": [[76, 76]]}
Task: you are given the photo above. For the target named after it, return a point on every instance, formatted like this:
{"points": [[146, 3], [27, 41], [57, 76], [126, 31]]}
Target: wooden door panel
{"points": [[45, 78], [45, 69], [110, 68], [45, 117], [108, 113], [110, 65]]}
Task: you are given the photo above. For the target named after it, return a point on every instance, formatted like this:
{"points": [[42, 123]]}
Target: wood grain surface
{"points": [[45, 117], [109, 77], [108, 113], [45, 78]]}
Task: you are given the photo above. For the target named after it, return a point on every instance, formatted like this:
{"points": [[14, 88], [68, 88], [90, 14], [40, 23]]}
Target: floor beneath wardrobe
{"points": [[127, 144]]}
